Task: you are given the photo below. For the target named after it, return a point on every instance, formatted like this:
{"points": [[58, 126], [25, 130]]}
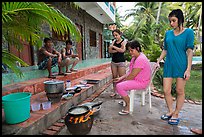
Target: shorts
{"points": [[119, 64], [43, 65], [71, 61]]}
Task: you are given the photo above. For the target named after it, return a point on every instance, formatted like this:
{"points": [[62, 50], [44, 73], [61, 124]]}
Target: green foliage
{"points": [[127, 56], [22, 22], [196, 67], [11, 62], [198, 53], [193, 88], [158, 82], [153, 52]]}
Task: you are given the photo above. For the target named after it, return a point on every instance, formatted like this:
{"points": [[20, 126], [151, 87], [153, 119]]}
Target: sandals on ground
{"points": [[74, 70], [62, 74], [165, 117], [122, 103], [174, 121], [113, 95], [68, 71], [51, 76], [123, 112]]}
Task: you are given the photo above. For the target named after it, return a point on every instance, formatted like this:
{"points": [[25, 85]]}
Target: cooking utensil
{"points": [[92, 81], [79, 120], [77, 90], [95, 106], [54, 86]]}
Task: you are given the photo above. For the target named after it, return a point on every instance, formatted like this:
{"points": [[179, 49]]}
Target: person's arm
{"points": [[59, 56], [163, 54], [73, 55], [122, 48], [129, 76], [118, 79], [133, 74], [48, 53], [190, 55], [57, 53], [110, 48], [63, 53]]}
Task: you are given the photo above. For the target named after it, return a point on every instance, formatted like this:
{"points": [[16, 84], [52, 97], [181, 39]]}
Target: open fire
{"points": [[81, 119]]}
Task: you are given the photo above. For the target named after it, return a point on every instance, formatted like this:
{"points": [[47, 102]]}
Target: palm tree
{"points": [[158, 13], [22, 22], [145, 14]]}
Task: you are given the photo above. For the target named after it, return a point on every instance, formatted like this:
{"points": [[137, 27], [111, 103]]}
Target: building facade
{"points": [[90, 19]]}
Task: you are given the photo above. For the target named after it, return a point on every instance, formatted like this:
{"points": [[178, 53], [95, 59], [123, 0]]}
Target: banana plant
{"points": [[22, 22]]}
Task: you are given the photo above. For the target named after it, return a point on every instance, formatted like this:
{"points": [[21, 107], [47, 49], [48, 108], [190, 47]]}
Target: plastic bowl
{"points": [[46, 105], [35, 106]]}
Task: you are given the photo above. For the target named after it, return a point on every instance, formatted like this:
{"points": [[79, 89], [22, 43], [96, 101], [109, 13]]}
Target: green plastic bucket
{"points": [[16, 107]]}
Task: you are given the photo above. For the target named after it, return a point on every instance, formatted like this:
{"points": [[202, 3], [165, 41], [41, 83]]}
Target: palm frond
{"points": [[10, 61], [22, 22]]}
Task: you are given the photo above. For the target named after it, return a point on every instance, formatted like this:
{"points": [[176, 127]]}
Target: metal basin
{"points": [[54, 86]]}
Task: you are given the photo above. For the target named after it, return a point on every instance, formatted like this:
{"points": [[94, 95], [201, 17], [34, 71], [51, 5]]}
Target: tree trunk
{"points": [[158, 13]]}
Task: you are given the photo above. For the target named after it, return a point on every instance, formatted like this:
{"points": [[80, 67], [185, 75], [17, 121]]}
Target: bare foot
{"points": [[196, 131], [113, 95]]}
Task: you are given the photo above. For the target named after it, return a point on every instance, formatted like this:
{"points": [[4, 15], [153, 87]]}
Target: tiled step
{"points": [[36, 85], [32, 72], [42, 119]]}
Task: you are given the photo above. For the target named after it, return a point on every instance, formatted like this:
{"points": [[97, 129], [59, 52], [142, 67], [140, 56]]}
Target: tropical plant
{"points": [[22, 22]]}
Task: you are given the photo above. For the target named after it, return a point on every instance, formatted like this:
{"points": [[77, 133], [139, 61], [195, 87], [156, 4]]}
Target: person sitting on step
{"points": [[48, 57], [69, 58]]}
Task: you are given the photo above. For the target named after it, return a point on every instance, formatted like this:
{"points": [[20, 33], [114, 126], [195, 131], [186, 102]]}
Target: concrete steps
{"points": [[36, 85], [42, 119]]}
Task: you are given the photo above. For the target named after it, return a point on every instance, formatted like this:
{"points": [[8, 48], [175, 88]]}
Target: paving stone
{"points": [[59, 124], [55, 128], [49, 132]]}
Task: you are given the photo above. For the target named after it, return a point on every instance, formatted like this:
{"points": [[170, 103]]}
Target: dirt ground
{"points": [[141, 122]]}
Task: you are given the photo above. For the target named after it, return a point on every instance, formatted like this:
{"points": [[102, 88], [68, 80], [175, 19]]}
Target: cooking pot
{"points": [[54, 86], [79, 119], [79, 123]]}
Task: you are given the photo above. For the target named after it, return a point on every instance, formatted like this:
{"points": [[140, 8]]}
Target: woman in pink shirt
{"points": [[138, 76]]}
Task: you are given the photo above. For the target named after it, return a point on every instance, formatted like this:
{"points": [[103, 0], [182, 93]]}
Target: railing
{"points": [[110, 7], [107, 3]]}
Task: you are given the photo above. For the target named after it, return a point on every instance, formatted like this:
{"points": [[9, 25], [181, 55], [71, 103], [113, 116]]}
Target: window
{"points": [[92, 35]]}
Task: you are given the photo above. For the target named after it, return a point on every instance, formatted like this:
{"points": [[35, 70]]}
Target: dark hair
{"points": [[134, 44], [47, 39], [68, 42], [117, 30], [178, 14]]}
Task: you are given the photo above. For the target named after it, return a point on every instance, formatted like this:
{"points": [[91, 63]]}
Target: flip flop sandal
{"points": [[61, 74], [165, 117], [113, 95], [68, 72], [52, 76], [174, 122], [123, 112], [74, 70], [122, 103]]}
